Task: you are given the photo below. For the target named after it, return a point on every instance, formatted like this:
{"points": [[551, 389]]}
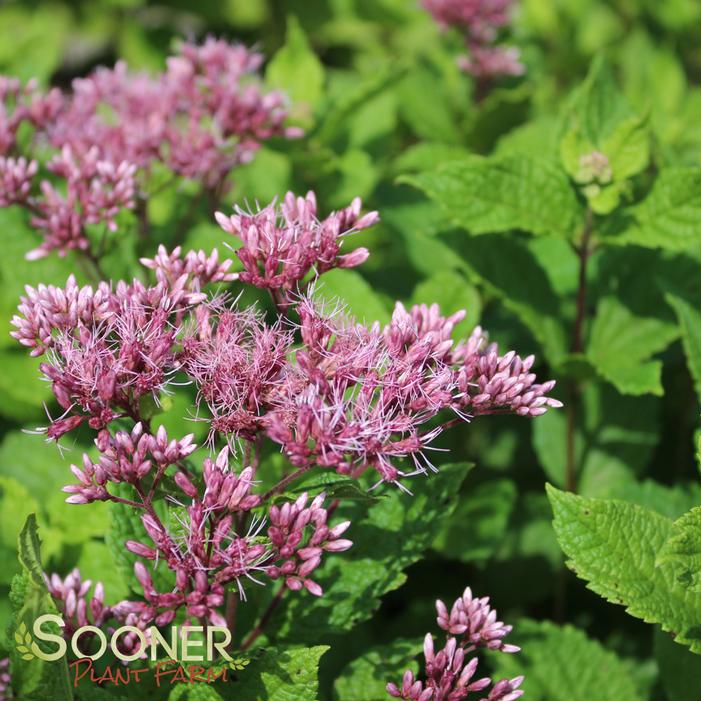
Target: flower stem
{"points": [[264, 619]]}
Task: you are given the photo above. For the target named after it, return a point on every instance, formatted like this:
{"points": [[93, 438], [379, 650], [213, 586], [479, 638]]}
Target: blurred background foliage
{"points": [[375, 86]]}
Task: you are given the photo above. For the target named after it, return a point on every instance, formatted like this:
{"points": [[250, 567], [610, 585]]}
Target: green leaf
{"points": [[680, 670], [353, 290], [510, 270], [97, 563], [563, 664], [622, 343], [33, 679], [488, 195], [297, 70], [479, 522], [672, 502], [598, 107], [387, 538], [683, 550], [670, 216], [613, 436], [428, 155], [451, 291], [23, 392], [281, 675], [690, 326], [365, 678], [613, 545]]}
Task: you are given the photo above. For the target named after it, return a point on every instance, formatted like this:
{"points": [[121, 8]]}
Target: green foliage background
{"points": [[484, 204]]}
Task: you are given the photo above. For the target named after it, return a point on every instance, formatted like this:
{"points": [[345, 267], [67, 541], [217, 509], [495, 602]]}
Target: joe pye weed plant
{"points": [[241, 420]]}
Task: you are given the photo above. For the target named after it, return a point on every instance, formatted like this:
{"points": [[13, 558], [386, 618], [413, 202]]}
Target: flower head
{"points": [[283, 242]]}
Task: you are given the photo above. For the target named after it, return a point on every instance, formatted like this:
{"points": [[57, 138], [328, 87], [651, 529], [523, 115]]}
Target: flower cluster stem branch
{"points": [[280, 486], [264, 619]]}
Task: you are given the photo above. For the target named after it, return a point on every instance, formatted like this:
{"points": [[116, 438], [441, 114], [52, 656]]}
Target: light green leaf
{"points": [[97, 563], [488, 195], [563, 664], [683, 550], [613, 545], [670, 216], [479, 522], [621, 345], [451, 291], [427, 155], [680, 670], [352, 289], [297, 70], [281, 675], [690, 325], [365, 678], [23, 391]]}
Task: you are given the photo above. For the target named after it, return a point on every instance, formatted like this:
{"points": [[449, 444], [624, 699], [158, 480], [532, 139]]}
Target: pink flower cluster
{"points": [[358, 398], [77, 610], [208, 550], [479, 22], [5, 680], [107, 348], [299, 536], [284, 242], [348, 398], [24, 104], [203, 116], [327, 390], [96, 192], [449, 673]]}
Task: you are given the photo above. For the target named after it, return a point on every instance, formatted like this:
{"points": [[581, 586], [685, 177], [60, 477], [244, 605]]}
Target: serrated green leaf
{"points": [[690, 326], [562, 664], [33, 679], [683, 550], [670, 216], [497, 194], [622, 343], [281, 675], [365, 678], [510, 270], [680, 670], [613, 545]]}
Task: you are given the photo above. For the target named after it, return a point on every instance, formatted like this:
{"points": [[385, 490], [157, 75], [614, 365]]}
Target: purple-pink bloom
{"points": [[5, 680], [299, 535], [201, 269], [15, 180], [479, 21], [284, 242], [75, 607], [475, 621], [449, 673], [237, 361], [97, 191]]}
